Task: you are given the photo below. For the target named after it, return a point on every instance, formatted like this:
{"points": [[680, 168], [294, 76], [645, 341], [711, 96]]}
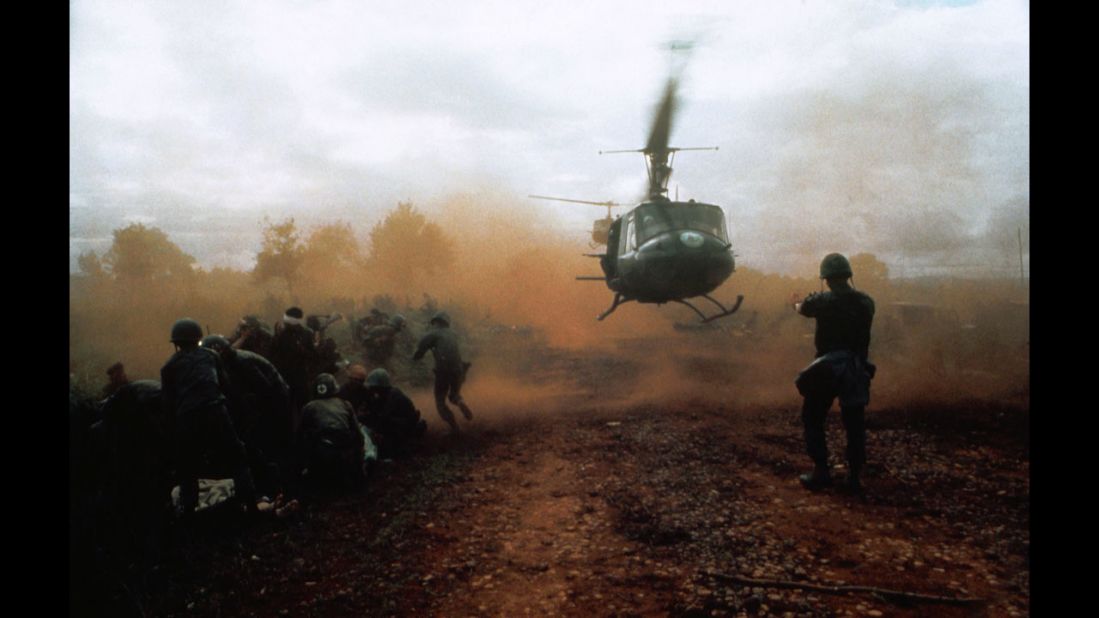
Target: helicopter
{"points": [[665, 250]]}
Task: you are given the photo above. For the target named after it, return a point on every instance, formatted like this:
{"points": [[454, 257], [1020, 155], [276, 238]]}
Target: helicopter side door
{"points": [[609, 262]]}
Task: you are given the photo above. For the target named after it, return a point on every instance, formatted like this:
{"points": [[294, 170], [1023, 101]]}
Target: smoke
{"points": [[899, 166], [529, 327]]}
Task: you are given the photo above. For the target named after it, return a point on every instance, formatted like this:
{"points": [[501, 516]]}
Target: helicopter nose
{"points": [[693, 240]]}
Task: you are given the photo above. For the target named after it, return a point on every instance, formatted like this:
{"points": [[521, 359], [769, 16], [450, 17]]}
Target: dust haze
{"points": [[529, 327]]}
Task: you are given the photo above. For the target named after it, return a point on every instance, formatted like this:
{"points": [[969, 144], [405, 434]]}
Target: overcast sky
{"points": [[899, 128]]}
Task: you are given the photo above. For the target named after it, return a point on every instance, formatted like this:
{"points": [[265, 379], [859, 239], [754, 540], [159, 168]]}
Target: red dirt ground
{"points": [[592, 503]]}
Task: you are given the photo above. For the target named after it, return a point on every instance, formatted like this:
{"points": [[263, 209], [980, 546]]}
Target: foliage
{"points": [[91, 266], [141, 253], [281, 254], [405, 246], [867, 267]]}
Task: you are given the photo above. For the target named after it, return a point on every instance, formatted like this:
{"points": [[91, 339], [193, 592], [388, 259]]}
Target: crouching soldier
{"points": [[390, 415], [331, 439], [450, 371], [262, 414], [193, 385]]}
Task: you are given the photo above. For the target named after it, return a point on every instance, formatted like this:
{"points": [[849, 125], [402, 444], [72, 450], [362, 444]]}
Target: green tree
{"points": [[141, 253], [91, 266], [405, 246], [333, 246], [332, 261], [867, 267], [281, 253]]}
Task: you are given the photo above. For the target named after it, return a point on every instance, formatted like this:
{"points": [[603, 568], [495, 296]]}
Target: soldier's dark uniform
{"points": [[390, 415], [263, 411], [193, 382], [293, 353], [842, 369], [332, 441], [253, 335], [450, 371]]}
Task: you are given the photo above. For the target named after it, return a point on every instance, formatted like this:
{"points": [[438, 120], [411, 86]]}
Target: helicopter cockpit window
{"points": [[631, 234], [655, 219]]}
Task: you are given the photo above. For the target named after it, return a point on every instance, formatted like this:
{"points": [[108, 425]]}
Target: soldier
{"points": [[354, 390], [292, 353], [116, 379], [390, 415], [380, 340], [193, 382], [842, 368], [332, 440], [326, 357], [253, 335], [450, 371], [263, 414]]}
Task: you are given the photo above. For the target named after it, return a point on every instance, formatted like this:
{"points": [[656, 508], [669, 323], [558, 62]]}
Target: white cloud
{"points": [[217, 107]]}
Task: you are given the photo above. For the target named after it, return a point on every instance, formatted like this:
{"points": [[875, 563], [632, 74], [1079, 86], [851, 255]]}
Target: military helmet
{"points": [[216, 343], [397, 321], [379, 378], [186, 331], [356, 372], [325, 386], [441, 317], [835, 265]]}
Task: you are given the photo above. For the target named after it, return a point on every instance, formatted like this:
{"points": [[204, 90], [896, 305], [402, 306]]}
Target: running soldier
{"points": [[450, 371]]}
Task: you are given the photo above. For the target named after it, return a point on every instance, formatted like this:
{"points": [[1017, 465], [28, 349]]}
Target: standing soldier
{"points": [[193, 385], [293, 353], [450, 371], [842, 368]]}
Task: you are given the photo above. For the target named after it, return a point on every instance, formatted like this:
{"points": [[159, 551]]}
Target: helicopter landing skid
{"points": [[617, 301], [724, 311]]}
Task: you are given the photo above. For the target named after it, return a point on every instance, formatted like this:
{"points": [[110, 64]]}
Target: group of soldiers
{"points": [[265, 408]]}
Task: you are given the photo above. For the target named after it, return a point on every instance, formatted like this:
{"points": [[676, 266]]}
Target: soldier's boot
{"points": [[448, 416], [818, 479]]}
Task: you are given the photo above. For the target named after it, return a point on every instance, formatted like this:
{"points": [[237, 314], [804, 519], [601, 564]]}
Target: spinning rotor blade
{"points": [[662, 123], [608, 203]]}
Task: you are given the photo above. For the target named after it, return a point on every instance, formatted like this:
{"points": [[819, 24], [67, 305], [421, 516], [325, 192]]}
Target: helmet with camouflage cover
{"points": [[397, 321], [441, 317], [186, 331], [379, 378], [216, 343], [325, 386], [835, 265]]}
